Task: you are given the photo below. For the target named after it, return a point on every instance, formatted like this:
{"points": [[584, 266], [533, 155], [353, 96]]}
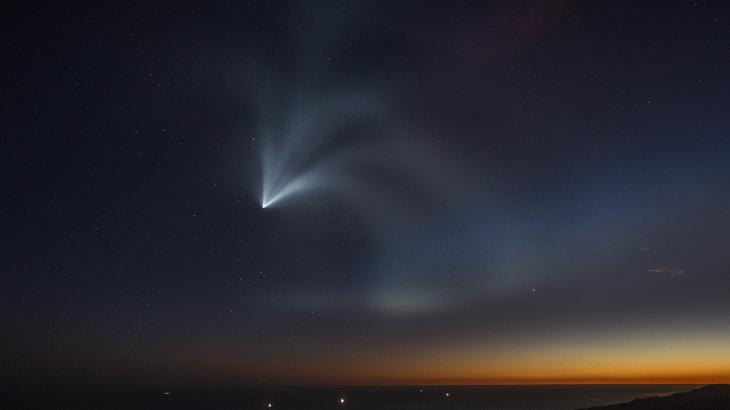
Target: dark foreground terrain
{"points": [[550, 397], [712, 397]]}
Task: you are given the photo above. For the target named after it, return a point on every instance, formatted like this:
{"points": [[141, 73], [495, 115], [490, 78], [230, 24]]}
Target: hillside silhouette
{"points": [[711, 397]]}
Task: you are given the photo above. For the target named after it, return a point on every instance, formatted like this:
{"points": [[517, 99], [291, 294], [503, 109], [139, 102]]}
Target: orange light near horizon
{"points": [[687, 355]]}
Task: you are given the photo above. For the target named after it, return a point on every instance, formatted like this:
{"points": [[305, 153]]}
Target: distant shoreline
{"points": [[709, 397]]}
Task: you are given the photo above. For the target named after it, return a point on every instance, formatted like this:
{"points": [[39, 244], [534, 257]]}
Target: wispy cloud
{"points": [[674, 273]]}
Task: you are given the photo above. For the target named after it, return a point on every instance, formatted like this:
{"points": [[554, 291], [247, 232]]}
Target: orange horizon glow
{"points": [[609, 380], [692, 359], [697, 355], [538, 382]]}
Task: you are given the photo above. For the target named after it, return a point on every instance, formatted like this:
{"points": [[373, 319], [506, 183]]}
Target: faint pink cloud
{"points": [[673, 273]]}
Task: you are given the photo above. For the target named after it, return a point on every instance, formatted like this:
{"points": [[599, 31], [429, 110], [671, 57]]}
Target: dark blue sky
{"points": [[512, 191]]}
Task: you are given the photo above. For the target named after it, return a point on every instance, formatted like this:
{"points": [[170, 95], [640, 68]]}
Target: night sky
{"points": [[357, 192]]}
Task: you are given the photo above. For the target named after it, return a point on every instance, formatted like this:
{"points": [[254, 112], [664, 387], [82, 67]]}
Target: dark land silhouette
{"points": [[541, 397], [711, 397]]}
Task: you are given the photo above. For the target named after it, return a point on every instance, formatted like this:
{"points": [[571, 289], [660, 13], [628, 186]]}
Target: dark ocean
{"points": [[354, 398]]}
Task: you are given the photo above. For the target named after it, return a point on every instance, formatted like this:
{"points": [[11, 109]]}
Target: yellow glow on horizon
{"points": [[693, 362], [685, 355]]}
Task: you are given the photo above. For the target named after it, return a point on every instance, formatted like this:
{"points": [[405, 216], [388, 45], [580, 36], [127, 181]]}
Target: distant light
{"points": [[167, 393], [342, 400], [269, 405], [448, 394]]}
